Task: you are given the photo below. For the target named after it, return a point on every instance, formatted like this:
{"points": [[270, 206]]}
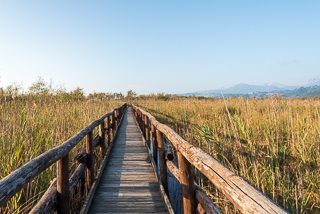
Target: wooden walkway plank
{"points": [[128, 183]]}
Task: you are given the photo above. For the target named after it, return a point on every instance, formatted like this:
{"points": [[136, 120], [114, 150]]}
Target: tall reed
{"points": [[31, 125], [272, 143]]}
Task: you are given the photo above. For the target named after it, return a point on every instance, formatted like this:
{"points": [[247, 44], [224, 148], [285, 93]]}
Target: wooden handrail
{"points": [[241, 193], [16, 180]]}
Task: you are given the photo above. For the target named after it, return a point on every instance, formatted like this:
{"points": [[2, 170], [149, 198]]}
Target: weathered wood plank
{"points": [[46, 203], [130, 199], [125, 203], [131, 172], [127, 212], [76, 176], [141, 209], [131, 184], [127, 170], [128, 183], [127, 194]]}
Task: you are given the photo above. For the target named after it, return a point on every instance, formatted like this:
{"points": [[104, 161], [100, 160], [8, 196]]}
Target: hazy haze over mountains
{"points": [[313, 81], [243, 88]]}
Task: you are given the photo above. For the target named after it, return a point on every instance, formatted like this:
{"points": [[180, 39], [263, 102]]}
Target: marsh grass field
{"points": [[272, 143], [31, 125]]}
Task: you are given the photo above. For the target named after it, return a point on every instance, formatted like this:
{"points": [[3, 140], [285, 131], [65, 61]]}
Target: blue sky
{"points": [[154, 46]]}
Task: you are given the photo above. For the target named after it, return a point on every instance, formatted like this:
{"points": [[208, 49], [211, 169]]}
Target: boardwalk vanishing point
{"points": [[128, 182]]}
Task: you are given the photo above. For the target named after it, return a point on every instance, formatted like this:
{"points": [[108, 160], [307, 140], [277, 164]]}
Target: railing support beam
{"points": [[108, 131], [147, 133], [162, 162], [90, 164], [63, 185], [102, 136], [113, 124], [154, 144], [187, 185]]}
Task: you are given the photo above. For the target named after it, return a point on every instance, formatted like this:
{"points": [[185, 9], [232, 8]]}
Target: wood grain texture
{"points": [[108, 131], [63, 206], [162, 161], [73, 180], [90, 163], [187, 185], [102, 136], [242, 194], [47, 201], [147, 132], [154, 144], [128, 183], [201, 196]]}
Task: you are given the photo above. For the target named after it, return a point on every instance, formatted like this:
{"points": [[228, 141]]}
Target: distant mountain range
{"points": [[309, 89]]}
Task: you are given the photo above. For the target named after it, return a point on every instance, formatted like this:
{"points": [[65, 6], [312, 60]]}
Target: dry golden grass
{"points": [[32, 125], [272, 143]]}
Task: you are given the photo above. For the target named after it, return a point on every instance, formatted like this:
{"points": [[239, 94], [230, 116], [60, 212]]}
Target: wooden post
{"points": [[140, 120], [115, 119], [108, 131], [143, 129], [90, 164], [162, 161], [142, 125], [118, 117], [154, 144], [113, 124], [63, 185], [147, 131], [102, 136], [187, 185]]}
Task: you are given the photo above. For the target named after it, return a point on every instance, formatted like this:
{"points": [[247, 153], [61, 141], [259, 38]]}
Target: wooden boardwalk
{"points": [[128, 183]]}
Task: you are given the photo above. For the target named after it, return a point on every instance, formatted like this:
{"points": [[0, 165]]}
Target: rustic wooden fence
{"points": [[242, 194], [56, 198]]}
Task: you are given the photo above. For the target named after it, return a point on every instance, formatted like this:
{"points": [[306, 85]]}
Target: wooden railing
{"points": [[242, 194], [56, 198]]}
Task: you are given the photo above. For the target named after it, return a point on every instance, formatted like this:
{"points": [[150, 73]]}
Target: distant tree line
{"points": [[40, 89]]}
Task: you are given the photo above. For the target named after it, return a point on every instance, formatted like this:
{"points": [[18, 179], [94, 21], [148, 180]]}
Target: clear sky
{"points": [[150, 46]]}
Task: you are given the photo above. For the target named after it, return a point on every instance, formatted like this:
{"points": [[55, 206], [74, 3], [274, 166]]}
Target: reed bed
{"points": [[273, 143], [31, 125]]}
